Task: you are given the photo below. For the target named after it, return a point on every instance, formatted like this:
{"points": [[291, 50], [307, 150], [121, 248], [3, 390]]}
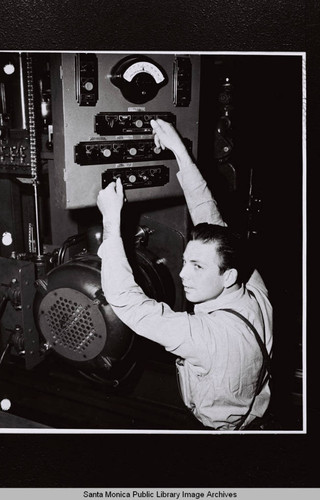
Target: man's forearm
{"points": [[201, 204], [110, 202], [183, 158], [111, 228]]}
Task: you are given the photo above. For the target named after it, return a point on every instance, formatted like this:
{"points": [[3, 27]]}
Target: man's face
{"points": [[200, 273]]}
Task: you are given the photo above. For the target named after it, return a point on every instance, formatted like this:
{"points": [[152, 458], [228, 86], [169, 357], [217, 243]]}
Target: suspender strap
{"points": [[256, 334], [265, 365]]}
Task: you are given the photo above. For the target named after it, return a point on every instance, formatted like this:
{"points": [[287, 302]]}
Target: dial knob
{"points": [[88, 86], [133, 151], [106, 152], [139, 123], [132, 178], [7, 238]]}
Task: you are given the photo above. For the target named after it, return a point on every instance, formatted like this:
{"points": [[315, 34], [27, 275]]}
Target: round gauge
{"points": [[138, 78]]}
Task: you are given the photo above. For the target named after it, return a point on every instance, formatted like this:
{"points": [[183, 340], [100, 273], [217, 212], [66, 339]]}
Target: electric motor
{"points": [[79, 325]]}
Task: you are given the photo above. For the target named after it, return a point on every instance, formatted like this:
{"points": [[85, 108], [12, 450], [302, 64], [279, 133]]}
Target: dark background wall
{"points": [[166, 25], [265, 113], [114, 460]]}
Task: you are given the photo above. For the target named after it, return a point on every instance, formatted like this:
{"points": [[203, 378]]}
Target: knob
{"points": [[157, 150], [133, 151], [5, 404], [88, 86], [138, 123], [132, 178], [106, 152], [7, 238]]}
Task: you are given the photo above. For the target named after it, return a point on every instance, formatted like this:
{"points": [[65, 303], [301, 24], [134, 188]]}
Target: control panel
{"points": [[100, 152], [128, 123], [15, 154], [15, 85], [102, 108], [86, 68], [182, 80], [137, 177]]}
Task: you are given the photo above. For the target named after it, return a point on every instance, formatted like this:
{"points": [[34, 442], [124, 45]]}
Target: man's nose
{"points": [[183, 273]]}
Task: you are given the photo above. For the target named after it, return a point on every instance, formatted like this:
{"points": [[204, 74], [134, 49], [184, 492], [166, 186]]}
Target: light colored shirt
{"points": [[218, 357]]}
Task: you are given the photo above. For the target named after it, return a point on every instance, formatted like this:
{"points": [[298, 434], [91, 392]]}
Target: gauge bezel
{"points": [[128, 75]]}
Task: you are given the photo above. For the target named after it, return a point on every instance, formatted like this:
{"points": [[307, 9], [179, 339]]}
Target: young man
{"points": [[219, 358]]}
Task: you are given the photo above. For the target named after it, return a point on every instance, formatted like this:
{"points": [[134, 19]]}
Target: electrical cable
{"points": [[4, 352], [3, 303], [72, 240]]}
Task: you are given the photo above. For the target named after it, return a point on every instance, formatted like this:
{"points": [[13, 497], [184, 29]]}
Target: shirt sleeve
{"points": [[203, 208], [178, 332], [256, 282], [201, 204]]}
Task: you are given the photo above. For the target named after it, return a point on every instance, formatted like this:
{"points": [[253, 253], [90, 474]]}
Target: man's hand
{"points": [[110, 202], [166, 136]]}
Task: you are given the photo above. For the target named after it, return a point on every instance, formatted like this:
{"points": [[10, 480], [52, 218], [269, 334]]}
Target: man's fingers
{"points": [[157, 129], [154, 124], [159, 125], [110, 186], [119, 186], [115, 185], [157, 141]]}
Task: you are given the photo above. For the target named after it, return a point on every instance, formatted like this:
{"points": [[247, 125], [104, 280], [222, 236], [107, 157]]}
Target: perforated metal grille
{"points": [[72, 324]]}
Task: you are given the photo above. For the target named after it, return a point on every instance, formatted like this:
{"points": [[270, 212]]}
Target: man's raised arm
{"points": [[200, 202]]}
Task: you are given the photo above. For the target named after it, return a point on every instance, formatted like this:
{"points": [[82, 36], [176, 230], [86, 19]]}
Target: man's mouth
{"points": [[187, 288]]}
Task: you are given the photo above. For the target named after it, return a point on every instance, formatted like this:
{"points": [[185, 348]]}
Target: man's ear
{"points": [[230, 277]]}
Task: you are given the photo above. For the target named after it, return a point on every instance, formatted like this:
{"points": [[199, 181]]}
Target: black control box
{"points": [[137, 177], [86, 68], [106, 152], [128, 123], [15, 154], [182, 78]]}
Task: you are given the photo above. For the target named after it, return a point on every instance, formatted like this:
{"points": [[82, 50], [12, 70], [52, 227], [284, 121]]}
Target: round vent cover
{"points": [[72, 324]]}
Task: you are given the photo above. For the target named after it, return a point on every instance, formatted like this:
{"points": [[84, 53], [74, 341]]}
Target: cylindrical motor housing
{"points": [[80, 326]]}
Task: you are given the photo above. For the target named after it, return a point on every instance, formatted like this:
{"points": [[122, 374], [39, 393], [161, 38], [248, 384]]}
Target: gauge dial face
{"points": [[143, 67], [138, 78]]}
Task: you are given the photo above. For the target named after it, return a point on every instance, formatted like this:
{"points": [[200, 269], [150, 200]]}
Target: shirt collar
{"points": [[220, 302]]}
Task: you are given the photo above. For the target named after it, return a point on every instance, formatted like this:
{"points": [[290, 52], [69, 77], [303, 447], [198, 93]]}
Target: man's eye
{"points": [[197, 266]]}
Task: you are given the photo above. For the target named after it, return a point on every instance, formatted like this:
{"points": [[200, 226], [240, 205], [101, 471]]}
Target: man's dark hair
{"points": [[230, 247]]}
